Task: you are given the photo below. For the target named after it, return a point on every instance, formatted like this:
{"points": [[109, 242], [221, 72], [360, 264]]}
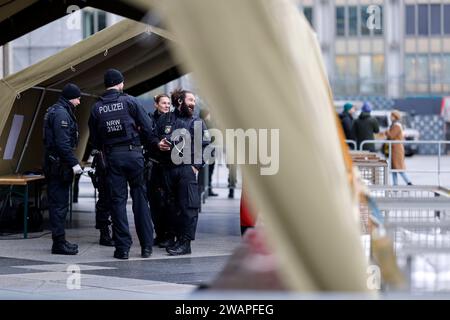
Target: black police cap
{"points": [[112, 77], [71, 91]]}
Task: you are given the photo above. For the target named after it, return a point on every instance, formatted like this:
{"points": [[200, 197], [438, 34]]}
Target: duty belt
{"points": [[130, 147]]}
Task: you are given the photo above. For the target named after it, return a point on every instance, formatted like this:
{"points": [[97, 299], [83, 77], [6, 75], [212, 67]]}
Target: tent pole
{"points": [[59, 91], [41, 99]]}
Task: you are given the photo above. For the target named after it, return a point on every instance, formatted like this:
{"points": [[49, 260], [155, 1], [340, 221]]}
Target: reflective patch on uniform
{"points": [[64, 123], [167, 129], [206, 134]]}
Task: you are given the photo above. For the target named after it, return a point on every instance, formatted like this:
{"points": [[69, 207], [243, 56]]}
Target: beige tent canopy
{"points": [[139, 51]]}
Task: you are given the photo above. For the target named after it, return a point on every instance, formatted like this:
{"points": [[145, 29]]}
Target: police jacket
{"points": [[153, 151], [61, 132], [175, 121], [118, 119], [155, 115]]}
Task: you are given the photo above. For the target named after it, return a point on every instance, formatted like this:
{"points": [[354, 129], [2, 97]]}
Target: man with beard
{"points": [[173, 135], [116, 125]]}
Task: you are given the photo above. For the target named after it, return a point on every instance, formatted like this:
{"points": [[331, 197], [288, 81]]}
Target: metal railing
{"points": [[352, 142], [439, 143]]}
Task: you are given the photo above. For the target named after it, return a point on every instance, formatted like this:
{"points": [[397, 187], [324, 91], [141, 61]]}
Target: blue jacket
{"points": [[61, 131]]}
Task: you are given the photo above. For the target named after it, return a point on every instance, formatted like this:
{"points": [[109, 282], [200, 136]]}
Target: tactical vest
{"points": [[115, 123]]}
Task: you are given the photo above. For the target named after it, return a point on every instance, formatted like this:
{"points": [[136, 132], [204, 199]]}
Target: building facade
{"points": [[391, 48], [54, 37]]}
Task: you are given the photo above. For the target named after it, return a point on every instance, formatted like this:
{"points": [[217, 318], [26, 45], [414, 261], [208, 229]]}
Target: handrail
{"points": [[353, 142], [390, 142]]}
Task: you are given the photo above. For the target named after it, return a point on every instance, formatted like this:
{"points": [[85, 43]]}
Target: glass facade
{"points": [[340, 21], [93, 21], [427, 73], [354, 20], [359, 74], [410, 20], [427, 20], [422, 19]]}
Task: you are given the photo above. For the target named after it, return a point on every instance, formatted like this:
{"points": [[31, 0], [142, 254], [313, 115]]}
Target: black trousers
{"points": [[182, 188], [158, 203], [103, 205], [58, 205], [126, 167]]}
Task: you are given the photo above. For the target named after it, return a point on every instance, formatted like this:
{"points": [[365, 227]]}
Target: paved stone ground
{"points": [[29, 271]]}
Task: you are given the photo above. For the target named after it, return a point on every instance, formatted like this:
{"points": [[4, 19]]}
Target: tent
{"points": [[139, 51]]}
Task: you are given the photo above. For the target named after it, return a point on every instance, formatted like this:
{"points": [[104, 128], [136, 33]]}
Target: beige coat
{"points": [[395, 132]]}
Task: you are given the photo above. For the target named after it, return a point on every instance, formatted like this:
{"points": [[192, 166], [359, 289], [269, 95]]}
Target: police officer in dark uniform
{"points": [[155, 183], [175, 135], [116, 124], [60, 163]]}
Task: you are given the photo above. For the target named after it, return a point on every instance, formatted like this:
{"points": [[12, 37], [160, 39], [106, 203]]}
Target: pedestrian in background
{"points": [[365, 127], [347, 122], [205, 115], [395, 132]]}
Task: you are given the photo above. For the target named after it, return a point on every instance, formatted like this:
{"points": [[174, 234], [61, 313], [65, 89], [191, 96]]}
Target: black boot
{"points": [[167, 243], [122, 255], [211, 193], [158, 240], [71, 245], [180, 248], [231, 194], [64, 247], [146, 252], [105, 237]]}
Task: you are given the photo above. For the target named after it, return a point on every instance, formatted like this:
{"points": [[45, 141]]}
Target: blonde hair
{"points": [[397, 115]]}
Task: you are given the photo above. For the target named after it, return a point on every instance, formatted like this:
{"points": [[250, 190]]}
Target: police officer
{"points": [[60, 163], [155, 183], [116, 122], [174, 135]]}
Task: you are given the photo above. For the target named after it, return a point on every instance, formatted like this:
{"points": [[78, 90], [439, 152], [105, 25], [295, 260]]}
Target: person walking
{"points": [[395, 132]]}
